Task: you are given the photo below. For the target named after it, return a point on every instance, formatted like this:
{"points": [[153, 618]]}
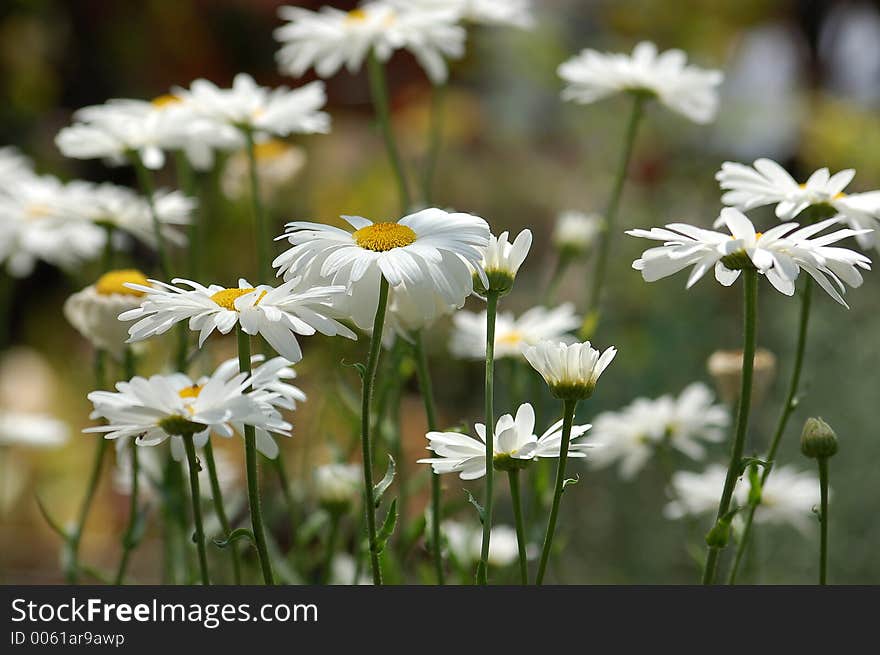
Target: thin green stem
{"points": [[220, 509], [791, 402], [513, 477], [438, 96], [491, 312], [382, 106], [196, 495], [369, 378], [568, 409], [750, 320], [427, 389], [332, 539], [260, 221], [614, 204], [130, 539], [253, 481], [107, 257], [188, 182], [145, 179], [823, 520]]}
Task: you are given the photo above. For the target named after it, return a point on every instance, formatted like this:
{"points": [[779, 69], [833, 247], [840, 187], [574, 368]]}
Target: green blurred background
{"points": [[803, 86]]}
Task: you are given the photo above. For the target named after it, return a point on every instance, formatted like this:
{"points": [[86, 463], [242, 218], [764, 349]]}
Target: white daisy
{"points": [[516, 13], [780, 254], [269, 381], [276, 313], [464, 540], [515, 445], [338, 486], [570, 370], [278, 163], [422, 255], [632, 435], [330, 39], [468, 338], [31, 429], [247, 106], [768, 183], [14, 168], [575, 232], [695, 494], [686, 89], [501, 261]]}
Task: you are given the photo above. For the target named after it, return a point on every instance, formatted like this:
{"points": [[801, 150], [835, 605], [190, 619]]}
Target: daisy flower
{"points": [[463, 542], [421, 256], [152, 410], [248, 107], [570, 370], [330, 39], [575, 232], [501, 261], [683, 88], [515, 445], [515, 13], [468, 339], [632, 435], [14, 168], [338, 486], [276, 313], [31, 429], [278, 163], [779, 254], [768, 183]]}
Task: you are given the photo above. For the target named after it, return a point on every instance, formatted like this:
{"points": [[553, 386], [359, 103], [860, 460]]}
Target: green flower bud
{"points": [[719, 535], [818, 439]]}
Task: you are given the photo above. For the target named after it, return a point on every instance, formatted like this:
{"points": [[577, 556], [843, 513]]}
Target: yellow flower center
{"points": [[226, 297], [113, 282], [271, 149], [381, 237], [192, 391], [356, 16], [510, 339], [38, 210], [758, 235], [165, 100]]}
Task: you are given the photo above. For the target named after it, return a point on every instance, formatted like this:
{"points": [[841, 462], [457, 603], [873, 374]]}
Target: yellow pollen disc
{"points": [[191, 391], [356, 15], [226, 297], [380, 237], [163, 101], [838, 196], [510, 339], [758, 235], [271, 149], [113, 282]]}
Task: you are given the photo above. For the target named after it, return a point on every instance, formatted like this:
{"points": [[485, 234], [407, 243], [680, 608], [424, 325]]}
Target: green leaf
{"points": [[480, 509], [571, 481], [388, 526], [360, 368], [385, 482], [61, 532], [235, 535]]}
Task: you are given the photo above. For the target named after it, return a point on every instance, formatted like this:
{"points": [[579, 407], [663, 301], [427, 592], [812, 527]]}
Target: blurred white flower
{"points": [[632, 435], [14, 168], [278, 163], [779, 254], [767, 183], [516, 13], [468, 338], [686, 89], [330, 39], [343, 571], [515, 445], [463, 541], [338, 486], [31, 429], [576, 232], [570, 370]]}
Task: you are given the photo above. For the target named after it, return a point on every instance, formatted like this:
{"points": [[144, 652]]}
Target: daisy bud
{"points": [[570, 370], [725, 367], [576, 232], [337, 486], [818, 439]]}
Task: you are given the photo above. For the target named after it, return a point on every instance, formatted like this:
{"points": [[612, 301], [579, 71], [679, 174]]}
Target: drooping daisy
{"points": [[501, 261], [463, 541], [330, 39], [515, 445], [516, 13], [421, 256], [276, 313], [278, 163], [576, 232], [779, 254], [632, 435], [768, 183], [338, 486], [570, 370], [686, 89], [468, 339], [31, 429]]}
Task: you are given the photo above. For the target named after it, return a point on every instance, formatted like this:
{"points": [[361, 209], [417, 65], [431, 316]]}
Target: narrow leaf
{"points": [[235, 535], [385, 482], [387, 527], [480, 510]]}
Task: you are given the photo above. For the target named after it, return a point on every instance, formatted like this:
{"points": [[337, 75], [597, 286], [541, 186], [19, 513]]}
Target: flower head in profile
{"points": [[512, 334], [501, 261], [779, 254], [683, 88], [768, 183], [330, 39], [277, 313], [515, 445], [514, 13], [632, 435], [338, 486], [576, 232], [570, 370], [422, 256]]}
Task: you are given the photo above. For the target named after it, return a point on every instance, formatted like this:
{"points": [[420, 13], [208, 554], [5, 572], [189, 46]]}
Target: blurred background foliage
{"points": [[803, 87]]}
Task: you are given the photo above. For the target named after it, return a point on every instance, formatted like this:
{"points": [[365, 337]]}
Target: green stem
{"points": [[750, 289], [427, 389], [791, 402], [253, 481], [188, 182], [262, 228], [513, 477], [381, 103], [614, 203], [219, 508], [491, 311], [332, 538], [107, 257], [369, 377], [130, 539], [193, 462], [823, 520], [145, 179], [438, 95], [568, 409]]}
